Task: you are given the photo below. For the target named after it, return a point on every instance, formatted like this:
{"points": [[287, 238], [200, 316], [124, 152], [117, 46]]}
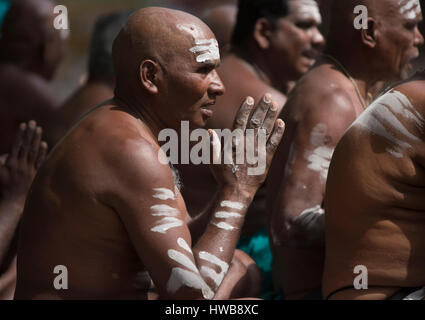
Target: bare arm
{"points": [[298, 216], [16, 175], [157, 221]]}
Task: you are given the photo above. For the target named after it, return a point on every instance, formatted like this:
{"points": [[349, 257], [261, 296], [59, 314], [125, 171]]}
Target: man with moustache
{"points": [[274, 42], [322, 106], [105, 208]]}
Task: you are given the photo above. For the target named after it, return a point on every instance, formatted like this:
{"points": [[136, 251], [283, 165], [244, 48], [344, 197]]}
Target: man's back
{"points": [[375, 198], [89, 95]]}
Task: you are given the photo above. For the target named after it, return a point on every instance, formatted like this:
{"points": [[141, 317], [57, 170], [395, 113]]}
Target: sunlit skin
{"points": [[318, 112], [102, 196], [378, 201], [285, 56], [30, 52]]}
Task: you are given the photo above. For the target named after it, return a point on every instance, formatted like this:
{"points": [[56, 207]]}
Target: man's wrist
{"points": [[242, 194]]}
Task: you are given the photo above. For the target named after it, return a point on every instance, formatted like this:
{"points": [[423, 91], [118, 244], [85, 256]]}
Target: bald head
{"points": [[179, 38], [221, 20]]}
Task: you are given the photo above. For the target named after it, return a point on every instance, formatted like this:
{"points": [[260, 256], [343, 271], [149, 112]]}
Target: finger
{"points": [[260, 112], [18, 142], [270, 120], [41, 154], [216, 147], [275, 139], [35, 145], [243, 114], [26, 142]]}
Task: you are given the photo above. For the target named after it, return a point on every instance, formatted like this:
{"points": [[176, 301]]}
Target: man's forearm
{"points": [[10, 215]]}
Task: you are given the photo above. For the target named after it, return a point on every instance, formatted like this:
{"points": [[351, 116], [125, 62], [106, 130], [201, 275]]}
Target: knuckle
{"points": [[255, 123]]}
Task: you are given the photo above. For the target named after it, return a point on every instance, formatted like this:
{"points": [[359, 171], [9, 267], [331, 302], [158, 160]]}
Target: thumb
{"points": [[216, 146]]}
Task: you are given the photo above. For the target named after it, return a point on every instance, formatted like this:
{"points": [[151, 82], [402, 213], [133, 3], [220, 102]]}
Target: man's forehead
{"points": [[204, 46], [409, 9], [306, 9], [194, 30]]}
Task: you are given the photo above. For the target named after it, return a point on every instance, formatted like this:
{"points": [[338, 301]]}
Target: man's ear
{"points": [[262, 33], [370, 35], [150, 74]]}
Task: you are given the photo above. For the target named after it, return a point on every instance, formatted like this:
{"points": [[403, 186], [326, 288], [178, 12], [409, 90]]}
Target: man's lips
{"points": [[205, 109], [310, 54]]}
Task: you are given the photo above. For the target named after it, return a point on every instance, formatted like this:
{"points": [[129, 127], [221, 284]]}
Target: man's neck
{"points": [[260, 68], [140, 110], [355, 70]]}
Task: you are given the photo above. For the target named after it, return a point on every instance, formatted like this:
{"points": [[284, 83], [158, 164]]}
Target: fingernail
{"points": [[250, 101], [268, 98], [274, 107], [280, 123], [32, 124], [23, 126]]}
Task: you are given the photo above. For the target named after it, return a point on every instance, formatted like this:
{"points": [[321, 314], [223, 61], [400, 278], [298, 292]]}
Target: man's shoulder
{"points": [[414, 90], [119, 129], [321, 91]]}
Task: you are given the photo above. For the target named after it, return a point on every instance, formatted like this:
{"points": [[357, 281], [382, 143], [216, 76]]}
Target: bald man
{"points": [[194, 7], [375, 227], [221, 19], [101, 78], [105, 210], [322, 106], [30, 51], [274, 41]]}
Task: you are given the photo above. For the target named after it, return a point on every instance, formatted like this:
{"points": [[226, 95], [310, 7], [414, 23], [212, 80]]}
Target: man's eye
{"points": [[205, 69], [304, 25], [410, 26]]}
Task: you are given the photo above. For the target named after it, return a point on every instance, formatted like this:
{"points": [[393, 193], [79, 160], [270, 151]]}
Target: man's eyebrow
{"points": [[210, 64]]}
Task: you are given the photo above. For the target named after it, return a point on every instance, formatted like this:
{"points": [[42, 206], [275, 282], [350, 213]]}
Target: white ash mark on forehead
{"points": [[209, 49], [191, 29], [306, 9], [410, 9]]}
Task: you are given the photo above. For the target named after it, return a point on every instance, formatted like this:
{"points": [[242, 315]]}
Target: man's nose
{"points": [[419, 39], [216, 87], [318, 39]]}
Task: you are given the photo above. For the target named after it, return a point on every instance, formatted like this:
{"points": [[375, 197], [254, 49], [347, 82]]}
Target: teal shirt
{"points": [[4, 7]]}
